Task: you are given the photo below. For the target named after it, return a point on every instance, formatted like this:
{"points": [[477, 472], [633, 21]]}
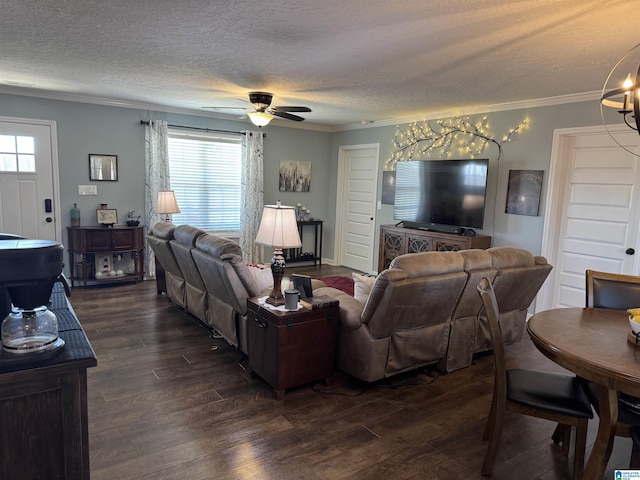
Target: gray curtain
{"points": [[252, 196], [156, 160]]}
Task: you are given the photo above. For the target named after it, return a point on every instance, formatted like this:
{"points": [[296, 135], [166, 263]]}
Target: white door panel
{"points": [[356, 202], [597, 191], [23, 192]]}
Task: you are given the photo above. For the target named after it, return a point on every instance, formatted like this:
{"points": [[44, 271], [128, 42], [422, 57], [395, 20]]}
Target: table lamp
{"points": [[278, 229], [167, 204]]}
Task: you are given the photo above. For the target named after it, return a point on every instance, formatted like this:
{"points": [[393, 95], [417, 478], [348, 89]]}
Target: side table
{"points": [[291, 348]]}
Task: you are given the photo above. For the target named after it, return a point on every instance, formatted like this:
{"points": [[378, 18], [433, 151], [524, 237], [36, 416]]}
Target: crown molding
{"points": [[498, 107], [522, 104], [110, 102]]}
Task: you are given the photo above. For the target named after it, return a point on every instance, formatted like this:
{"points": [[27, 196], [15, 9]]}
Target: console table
{"points": [[44, 429], [297, 255], [87, 243], [396, 241]]}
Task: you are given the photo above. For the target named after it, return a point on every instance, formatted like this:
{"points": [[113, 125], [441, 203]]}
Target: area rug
{"points": [[344, 284]]}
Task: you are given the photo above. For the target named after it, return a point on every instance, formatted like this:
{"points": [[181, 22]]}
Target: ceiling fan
{"points": [[264, 112]]}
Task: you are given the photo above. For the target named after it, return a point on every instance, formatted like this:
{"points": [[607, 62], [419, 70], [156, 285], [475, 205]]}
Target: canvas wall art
{"points": [[523, 193], [295, 176], [388, 187]]}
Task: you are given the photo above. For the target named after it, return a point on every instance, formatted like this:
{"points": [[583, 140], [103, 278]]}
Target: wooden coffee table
{"points": [[291, 348]]}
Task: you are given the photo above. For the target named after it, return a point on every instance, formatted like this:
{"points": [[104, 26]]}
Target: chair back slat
{"points": [[493, 314]]}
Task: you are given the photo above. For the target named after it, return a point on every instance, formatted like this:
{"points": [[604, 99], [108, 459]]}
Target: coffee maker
{"points": [[30, 268]]}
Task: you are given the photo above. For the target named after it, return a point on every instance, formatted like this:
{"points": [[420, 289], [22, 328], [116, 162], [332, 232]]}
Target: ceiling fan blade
{"points": [[291, 109], [286, 115]]}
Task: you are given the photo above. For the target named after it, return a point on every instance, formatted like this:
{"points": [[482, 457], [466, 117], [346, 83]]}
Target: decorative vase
{"points": [[75, 216]]}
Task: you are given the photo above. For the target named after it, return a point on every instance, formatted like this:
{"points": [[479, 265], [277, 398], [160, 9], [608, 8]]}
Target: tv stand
{"points": [[398, 240]]}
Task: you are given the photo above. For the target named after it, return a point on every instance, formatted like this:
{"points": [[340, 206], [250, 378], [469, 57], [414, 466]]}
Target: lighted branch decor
{"points": [[459, 134]]}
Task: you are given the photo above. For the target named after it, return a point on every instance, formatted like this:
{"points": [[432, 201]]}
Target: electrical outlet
{"points": [[87, 190]]}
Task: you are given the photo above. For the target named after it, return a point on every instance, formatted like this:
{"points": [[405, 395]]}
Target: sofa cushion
{"points": [[262, 276], [187, 235], [362, 285], [163, 230], [217, 246]]}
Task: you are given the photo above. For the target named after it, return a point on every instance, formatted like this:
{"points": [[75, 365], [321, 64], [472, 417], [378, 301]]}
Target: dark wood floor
{"points": [[167, 401]]}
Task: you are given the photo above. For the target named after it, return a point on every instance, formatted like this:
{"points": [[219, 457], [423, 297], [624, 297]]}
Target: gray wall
{"points": [[529, 150], [85, 128]]}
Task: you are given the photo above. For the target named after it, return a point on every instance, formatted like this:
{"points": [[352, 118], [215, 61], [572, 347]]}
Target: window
{"points": [[17, 154], [205, 173]]}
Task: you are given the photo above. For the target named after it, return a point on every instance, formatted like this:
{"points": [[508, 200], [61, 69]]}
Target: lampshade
{"points": [[260, 119], [278, 227], [167, 203]]}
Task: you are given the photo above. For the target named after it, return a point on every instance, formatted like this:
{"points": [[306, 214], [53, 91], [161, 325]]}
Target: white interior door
{"points": [[29, 203], [592, 213], [356, 206]]}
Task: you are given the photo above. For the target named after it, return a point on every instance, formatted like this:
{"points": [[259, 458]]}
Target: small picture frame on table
{"points": [[107, 216]]}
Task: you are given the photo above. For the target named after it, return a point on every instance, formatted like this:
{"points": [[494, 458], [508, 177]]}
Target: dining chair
{"points": [[620, 292], [612, 290], [551, 396]]}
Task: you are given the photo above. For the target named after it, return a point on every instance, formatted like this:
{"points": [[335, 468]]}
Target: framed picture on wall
{"points": [[388, 187], [523, 192], [103, 168], [295, 176]]}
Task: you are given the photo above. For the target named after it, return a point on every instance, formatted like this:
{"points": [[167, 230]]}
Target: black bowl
{"points": [[133, 223]]}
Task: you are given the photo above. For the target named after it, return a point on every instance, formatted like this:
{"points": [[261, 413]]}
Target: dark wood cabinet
{"points": [[44, 429], [395, 241], [88, 243], [289, 349]]}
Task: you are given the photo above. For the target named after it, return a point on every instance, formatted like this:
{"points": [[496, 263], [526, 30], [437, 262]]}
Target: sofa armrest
{"points": [[350, 308], [315, 284]]}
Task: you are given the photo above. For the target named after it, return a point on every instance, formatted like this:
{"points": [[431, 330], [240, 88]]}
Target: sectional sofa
{"points": [[423, 310]]}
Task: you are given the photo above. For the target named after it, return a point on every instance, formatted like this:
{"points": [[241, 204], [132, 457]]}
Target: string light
{"points": [[457, 133]]}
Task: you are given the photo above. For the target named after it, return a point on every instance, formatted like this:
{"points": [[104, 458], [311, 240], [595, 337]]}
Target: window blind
{"points": [[205, 173]]}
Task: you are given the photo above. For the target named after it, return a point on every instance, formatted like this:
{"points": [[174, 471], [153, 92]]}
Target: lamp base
{"points": [[276, 298], [275, 301]]}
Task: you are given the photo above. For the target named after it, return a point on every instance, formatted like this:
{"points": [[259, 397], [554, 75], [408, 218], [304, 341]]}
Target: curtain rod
{"points": [[143, 122]]}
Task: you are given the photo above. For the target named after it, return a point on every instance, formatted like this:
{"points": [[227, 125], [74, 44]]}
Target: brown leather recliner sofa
{"points": [[206, 275], [424, 310], [158, 239]]}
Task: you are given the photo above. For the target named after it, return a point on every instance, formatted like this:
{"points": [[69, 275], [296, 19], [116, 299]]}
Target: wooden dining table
{"points": [[593, 343]]}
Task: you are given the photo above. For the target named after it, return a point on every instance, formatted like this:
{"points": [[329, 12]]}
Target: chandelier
{"points": [[620, 97]]}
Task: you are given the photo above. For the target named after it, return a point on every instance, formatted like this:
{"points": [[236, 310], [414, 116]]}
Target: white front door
{"points": [[29, 204], [592, 213], [356, 204]]}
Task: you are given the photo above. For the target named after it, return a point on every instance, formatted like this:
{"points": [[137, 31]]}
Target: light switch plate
{"points": [[87, 190]]}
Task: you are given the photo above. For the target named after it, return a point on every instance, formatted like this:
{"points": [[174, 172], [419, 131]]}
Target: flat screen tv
{"points": [[441, 193]]}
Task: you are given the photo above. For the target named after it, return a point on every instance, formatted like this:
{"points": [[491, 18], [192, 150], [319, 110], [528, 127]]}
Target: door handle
{"points": [[49, 219], [630, 251], [47, 205]]}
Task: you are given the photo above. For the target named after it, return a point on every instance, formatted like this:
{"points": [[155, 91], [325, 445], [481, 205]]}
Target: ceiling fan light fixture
{"points": [[260, 119]]}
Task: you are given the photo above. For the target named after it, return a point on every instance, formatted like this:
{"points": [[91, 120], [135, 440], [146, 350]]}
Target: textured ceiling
{"points": [[348, 60]]}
